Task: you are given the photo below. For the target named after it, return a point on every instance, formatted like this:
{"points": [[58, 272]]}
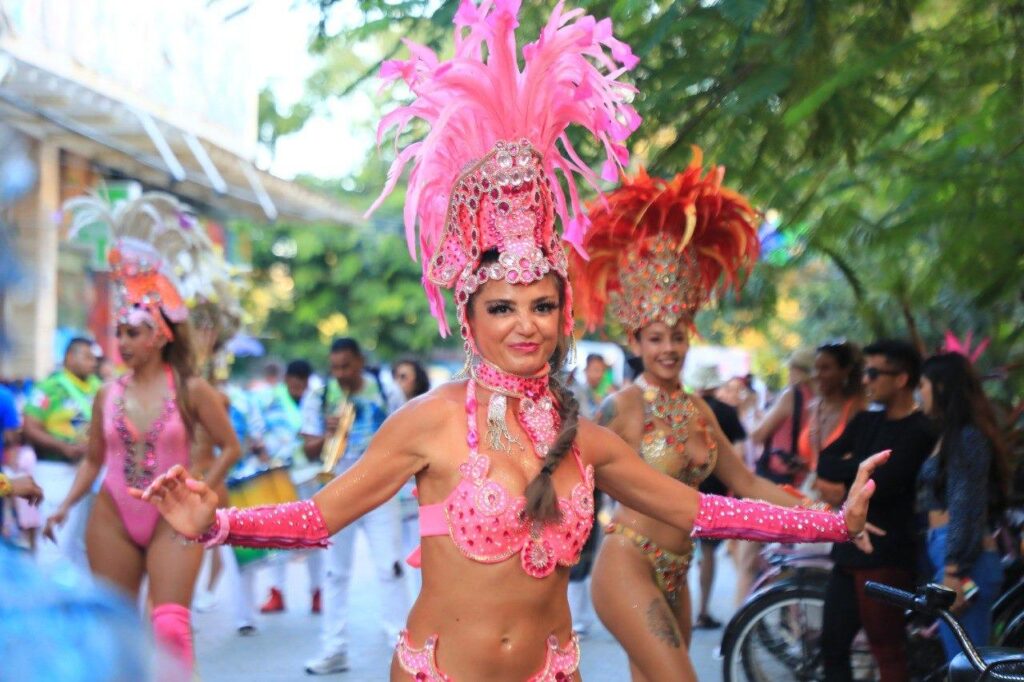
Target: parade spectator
{"points": [[351, 384], [281, 404], [963, 489], [709, 384], [891, 374], [56, 425], [411, 378], [777, 434], [598, 386]]}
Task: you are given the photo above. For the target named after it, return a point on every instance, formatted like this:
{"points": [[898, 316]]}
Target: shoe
{"points": [[274, 603], [247, 630], [315, 605], [706, 622], [335, 663]]}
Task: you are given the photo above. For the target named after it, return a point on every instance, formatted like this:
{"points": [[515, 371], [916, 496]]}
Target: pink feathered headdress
{"points": [[484, 178]]}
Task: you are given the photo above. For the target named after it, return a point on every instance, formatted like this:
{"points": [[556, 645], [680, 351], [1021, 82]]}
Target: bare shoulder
{"points": [[434, 408], [625, 403]]}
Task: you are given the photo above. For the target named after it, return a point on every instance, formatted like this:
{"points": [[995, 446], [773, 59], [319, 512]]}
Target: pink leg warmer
{"points": [[172, 626]]}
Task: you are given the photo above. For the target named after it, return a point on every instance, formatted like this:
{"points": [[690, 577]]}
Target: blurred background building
{"points": [[118, 97]]}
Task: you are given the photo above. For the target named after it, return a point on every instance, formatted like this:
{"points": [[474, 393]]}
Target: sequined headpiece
{"points": [[483, 178], [150, 244], [658, 248]]}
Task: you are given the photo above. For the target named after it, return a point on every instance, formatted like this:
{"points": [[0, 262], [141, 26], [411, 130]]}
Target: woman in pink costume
{"points": [[143, 423], [504, 465]]}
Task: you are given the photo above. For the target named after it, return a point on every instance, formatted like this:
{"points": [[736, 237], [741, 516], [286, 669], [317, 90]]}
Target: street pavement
{"points": [[283, 642]]}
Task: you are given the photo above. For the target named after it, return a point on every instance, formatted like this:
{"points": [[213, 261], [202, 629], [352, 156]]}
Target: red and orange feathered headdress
{"points": [[657, 249]]}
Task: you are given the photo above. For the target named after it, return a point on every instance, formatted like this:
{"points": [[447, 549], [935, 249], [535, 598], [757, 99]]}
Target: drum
{"points": [[269, 486]]}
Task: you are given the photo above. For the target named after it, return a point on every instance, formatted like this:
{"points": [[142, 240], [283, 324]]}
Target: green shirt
{"points": [[63, 404]]}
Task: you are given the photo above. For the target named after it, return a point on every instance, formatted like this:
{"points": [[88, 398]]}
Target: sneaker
{"points": [[314, 607], [247, 630], [274, 603], [335, 663]]}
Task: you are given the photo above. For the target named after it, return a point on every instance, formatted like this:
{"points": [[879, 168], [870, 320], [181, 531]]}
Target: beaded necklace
{"points": [[140, 467], [537, 413], [675, 409]]}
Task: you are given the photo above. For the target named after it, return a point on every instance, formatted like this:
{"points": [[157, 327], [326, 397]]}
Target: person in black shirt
{"points": [[892, 371], [708, 381]]}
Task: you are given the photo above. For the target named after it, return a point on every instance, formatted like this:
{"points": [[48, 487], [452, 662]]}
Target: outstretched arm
{"points": [[393, 456], [625, 477]]}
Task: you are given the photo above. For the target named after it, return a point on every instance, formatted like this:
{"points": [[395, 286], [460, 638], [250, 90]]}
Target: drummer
{"points": [[280, 403], [350, 382]]}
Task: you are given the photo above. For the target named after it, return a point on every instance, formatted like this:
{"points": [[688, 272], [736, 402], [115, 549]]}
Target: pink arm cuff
{"points": [[727, 517], [293, 525]]}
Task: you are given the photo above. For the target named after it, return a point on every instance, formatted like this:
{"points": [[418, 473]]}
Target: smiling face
{"points": [[517, 327], [662, 349], [138, 344]]}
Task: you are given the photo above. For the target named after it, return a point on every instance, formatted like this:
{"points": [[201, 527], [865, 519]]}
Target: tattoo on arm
{"points": [[662, 625], [606, 412]]}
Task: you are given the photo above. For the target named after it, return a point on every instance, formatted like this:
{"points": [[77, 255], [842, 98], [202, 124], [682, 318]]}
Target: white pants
{"points": [[314, 566], [55, 478], [382, 528]]}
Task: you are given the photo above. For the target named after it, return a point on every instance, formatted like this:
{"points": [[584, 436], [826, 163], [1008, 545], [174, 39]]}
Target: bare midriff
{"points": [[492, 621]]}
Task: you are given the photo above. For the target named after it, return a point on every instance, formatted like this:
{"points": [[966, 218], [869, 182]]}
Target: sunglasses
{"points": [[873, 373]]}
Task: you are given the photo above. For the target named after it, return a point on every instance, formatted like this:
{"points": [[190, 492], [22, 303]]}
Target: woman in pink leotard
{"points": [[504, 465], [143, 424]]}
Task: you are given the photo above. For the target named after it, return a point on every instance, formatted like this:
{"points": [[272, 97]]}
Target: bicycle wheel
{"points": [[776, 637]]}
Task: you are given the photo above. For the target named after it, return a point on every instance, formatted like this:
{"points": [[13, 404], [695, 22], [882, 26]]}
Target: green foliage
{"points": [[890, 130]]}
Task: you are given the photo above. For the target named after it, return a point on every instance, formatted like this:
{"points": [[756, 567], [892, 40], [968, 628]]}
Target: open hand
{"points": [[856, 509], [188, 505]]}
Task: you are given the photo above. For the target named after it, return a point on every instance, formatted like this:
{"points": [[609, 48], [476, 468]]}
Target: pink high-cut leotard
{"points": [[164, 445]]}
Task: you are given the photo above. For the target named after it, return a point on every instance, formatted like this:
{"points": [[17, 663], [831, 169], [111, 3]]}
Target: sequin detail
{"points": [[140, 467], [667, 452], [276, 526], [559, 662], [670, 568], [537, 412], [488, 524], [728, 517]]}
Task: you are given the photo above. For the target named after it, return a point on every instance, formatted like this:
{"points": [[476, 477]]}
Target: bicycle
{"points": [[775, 635], [1000, 664]]}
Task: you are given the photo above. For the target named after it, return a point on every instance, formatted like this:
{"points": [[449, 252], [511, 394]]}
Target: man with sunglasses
{"points": [[891, 374]]}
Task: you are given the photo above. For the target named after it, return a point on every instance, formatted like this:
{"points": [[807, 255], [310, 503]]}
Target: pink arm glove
{"points": [[727, 517], [293, 525]]}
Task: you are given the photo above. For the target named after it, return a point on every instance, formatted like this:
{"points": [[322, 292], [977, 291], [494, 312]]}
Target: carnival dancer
{"points": [[144, 423], [656, 250], [56, 425], [351, 386], [505, 508], [281, 403]]}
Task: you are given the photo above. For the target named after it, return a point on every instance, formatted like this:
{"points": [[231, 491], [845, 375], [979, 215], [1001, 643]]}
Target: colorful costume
{"points": [[484, 192], [655, 252], [151, 238]]}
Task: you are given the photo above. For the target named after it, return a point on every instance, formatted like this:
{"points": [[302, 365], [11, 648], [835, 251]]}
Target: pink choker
{"points": [[537, 412]]}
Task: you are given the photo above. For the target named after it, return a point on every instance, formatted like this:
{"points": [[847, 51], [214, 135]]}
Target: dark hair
{"points": [[421, 382], [848, 357], [958, 402], [595, 357], [301, 369], [541, 499], [77, 341], [902, 355], [346, 344], [179, 354]]}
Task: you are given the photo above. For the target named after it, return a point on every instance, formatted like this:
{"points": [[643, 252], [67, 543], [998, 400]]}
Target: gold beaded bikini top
{"points": [[667, 451]]}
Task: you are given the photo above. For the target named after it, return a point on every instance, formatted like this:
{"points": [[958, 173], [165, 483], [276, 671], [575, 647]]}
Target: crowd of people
{"points": [[496, 488]]}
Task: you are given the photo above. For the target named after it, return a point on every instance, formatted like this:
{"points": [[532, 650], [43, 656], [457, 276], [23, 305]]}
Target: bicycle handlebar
{"points": [[935, 600]]}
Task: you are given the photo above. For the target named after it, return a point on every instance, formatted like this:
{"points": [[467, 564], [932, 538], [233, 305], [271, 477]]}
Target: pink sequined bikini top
{"points": [[488, 524]]}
